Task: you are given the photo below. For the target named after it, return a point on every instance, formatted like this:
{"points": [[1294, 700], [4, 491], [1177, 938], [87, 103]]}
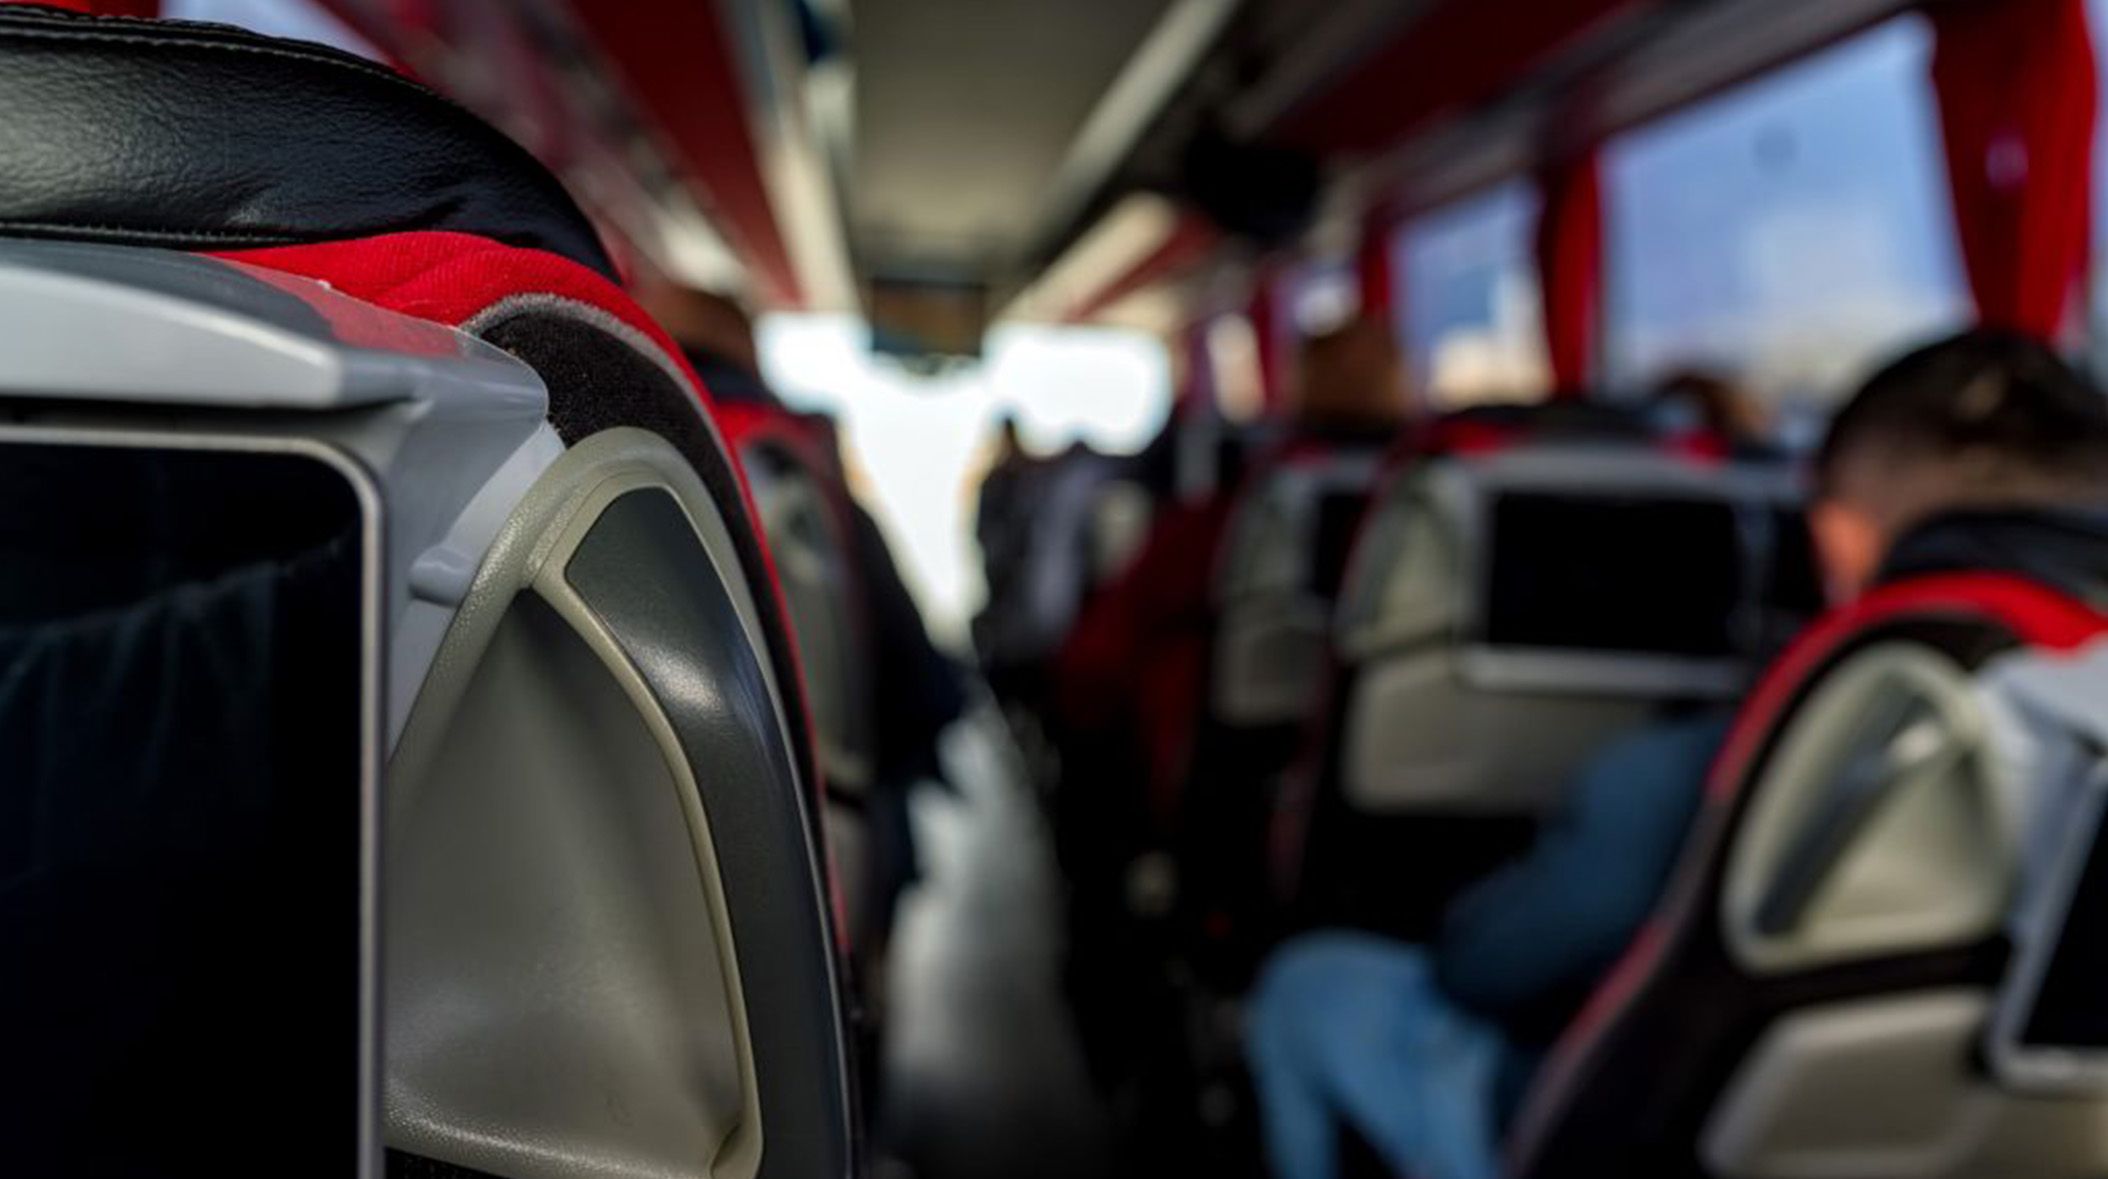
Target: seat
{"points": [[1281, 562], [594, 903], [1563, 587], [1281, 567], [1827, 988], [110, 118], [801, 499]]}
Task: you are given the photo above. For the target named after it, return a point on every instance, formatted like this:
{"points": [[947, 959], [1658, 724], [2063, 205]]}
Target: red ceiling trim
{"points": [[677, 58], [1461, 52], [1190, 241]]}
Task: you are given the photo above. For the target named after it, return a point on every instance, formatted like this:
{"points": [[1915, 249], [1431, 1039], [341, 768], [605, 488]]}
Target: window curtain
{"points": [[2016, 88], [1570, 269]]}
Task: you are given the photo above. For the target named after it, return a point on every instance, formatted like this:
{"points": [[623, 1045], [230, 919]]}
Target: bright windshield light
{"points": [[920, 444]]}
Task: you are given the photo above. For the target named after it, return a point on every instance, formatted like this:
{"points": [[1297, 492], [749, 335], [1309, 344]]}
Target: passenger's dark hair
{"points": [[2004, 411]]}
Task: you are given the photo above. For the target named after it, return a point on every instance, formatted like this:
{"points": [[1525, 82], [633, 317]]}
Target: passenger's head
{"points": [[1352, 377], [1980, 420], [702, 321], [1718, 403]]}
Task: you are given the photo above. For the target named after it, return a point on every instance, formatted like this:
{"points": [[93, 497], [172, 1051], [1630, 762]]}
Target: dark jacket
{"points": [[1525, 946]]}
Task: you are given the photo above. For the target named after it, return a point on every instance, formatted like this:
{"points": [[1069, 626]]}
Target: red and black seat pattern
{"points": [[1630, 1086], [296, 159], [201, 137]]}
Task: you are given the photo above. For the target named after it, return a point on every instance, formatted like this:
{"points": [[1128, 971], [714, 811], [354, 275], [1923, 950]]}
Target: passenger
{"points": [[1423, 1049], [1722, 408], [1003, 529], [717, 335], [1351, 385]]}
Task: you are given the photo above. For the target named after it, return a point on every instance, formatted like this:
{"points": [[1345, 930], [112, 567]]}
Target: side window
{"points": [[1789, 233], [1472, 327]]}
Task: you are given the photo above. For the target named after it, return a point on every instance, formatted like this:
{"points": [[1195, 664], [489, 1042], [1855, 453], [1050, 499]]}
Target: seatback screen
{"points": [[181, 839], [1653, 576]]}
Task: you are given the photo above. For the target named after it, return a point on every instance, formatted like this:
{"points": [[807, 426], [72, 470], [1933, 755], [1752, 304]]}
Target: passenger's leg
{"points": [[1352, 1026], [1301, 1129]]}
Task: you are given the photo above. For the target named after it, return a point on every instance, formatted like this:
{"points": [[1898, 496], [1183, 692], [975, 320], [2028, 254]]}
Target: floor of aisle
{"points": [[984, 1075]]}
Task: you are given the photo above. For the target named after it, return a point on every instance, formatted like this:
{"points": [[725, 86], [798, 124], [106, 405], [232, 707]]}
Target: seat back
{"points": [[597, 924], [1563, 592], [802, 502], [1813, 996], [1280, 569]]}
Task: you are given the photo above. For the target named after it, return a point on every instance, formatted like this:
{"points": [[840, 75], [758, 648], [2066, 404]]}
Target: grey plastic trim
{"points": [[453, 429], [1896, 1063], [1529, 669], [1844, 811], [371, 706], [439, 578], [645, 580], [529, 555], [1930, 863], [205, 332]]}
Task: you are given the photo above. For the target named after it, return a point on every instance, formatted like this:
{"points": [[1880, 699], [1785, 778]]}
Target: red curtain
{"points": [[2016, 88], [1570, 269], [1264, 314], [1375, 268], [1198, 389], [145, 8]]}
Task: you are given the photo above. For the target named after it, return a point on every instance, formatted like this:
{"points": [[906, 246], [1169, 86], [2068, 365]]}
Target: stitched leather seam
{"points": [[32, 26], [144, 233], [24, 25], [206, 36]]}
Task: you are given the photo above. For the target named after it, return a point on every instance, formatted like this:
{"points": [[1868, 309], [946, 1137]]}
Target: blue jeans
{"points": [[1350, 1027]]}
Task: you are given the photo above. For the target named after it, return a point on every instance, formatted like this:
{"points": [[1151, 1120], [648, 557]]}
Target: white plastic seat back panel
{"points": [[1931, 857], [606, 938], [1891, 758], [1881, 1089], [1440, 717], [814, 568], [1275, 626], [1418, 741]]}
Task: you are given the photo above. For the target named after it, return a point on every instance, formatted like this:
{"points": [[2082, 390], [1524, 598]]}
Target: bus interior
{"points": [[998, 589]]}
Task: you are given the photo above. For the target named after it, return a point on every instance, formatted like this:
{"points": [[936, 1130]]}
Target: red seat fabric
{"points": [[1554, 1133]]}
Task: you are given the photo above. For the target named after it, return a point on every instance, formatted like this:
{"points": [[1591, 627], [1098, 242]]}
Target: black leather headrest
{"points": [[201, 136], [2063, 549]]}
